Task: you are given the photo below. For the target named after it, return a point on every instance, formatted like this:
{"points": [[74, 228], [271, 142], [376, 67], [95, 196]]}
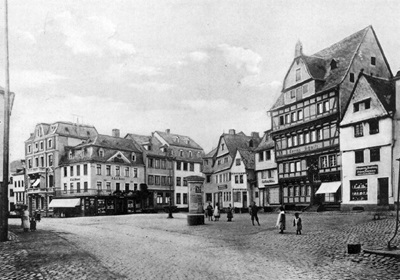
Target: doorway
{"points": [[383, 191]]}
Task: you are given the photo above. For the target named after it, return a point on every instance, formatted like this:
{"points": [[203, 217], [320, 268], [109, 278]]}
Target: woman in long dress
{"points": [[281, 222], [216, 212], [25, 219]]}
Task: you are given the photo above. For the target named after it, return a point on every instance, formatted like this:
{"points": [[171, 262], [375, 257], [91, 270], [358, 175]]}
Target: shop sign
{"points": [[366, 170], [117, 178], [268, 181], [302, 149], [74, 179], [223, 187]]}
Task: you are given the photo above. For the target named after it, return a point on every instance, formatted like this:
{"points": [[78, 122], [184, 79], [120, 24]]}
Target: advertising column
{"points": [[195, 189]]}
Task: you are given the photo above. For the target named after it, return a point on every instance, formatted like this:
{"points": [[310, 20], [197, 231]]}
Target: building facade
{"points": [[104, 172], [230, 171], [266, 172], [43, 151], [366, 140], [305, 117]]}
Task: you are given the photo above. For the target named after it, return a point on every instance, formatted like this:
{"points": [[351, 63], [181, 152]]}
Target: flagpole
{"points": [[4, 187]]}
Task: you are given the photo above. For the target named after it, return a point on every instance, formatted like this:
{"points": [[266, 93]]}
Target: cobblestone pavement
{"points": [[150, 246]]}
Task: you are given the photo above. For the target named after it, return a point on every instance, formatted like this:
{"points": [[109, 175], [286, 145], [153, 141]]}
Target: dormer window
{"points": [[101, 153], [352, 77], [222, 147], [70, 155], [181, 153], [176, 139], [251, 143], [333, 64], [133, 157]]}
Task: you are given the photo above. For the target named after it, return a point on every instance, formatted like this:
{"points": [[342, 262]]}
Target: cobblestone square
{"points": [[150, 246]]}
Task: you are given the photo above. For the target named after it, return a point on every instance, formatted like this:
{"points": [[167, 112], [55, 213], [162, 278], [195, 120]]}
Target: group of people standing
{"points": [[211, 212], [28, 222]]}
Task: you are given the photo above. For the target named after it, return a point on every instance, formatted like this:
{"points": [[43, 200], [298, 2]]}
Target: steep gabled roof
{"points": [[141, 140], [184, 141], [266, 142], [248, 158], [385, 90], [75, 130], [239, 141], [318, 64]]}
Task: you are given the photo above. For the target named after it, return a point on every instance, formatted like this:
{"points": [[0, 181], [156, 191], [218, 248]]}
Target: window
{"points": [[98, 169], [71, 171], [157, 162], [78, 170], [300, 115], [151, 180], [42, 161], [127, 187], [238, 161], [101, 153], [307, 137], [319, 134], [117, 187], [181, 153], [65, 188], [71, 188], [375, 154], [332, 160], [359, 156], [294, 140], [178, 165], [367, 104], [293, 116], [85, 170], [99, 185], [222, 147], [85, 186], [185, 166], [126, 171], [108, 170], [157, 180], [352, 77], [289, 141], [49, 143], [281, 120], [320, 108], [36, 162], [78, 187], [292, 94], [163, 181], [326, 106], [41, 145], [185, 183], [356, 107], [324, 161], [133, 157], [267, 155], [190, 154], [358, 130], [305, 89], [29, 149], [301, 139], [333, 64], [65, 171], [185, 200], [298, 75], [135, 172], [373, 60], [261, 156], [191, 165], [108, 186], [358, 190], [178, 198], [117, 170], [373, 127], [150, 162], [241, 179], [287, 118], [163, 163], [313, 136], [178, 181], [208, 178]]}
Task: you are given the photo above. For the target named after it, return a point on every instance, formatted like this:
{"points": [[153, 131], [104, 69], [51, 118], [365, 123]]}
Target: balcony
{"points": [[34, 170], [40, 190]]}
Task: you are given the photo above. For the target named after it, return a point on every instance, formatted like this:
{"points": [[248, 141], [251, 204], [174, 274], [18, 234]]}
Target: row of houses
{"points": [[332, 144]]}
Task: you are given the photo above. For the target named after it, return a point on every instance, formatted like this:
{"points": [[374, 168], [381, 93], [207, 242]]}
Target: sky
{"points": [[198, 68]]}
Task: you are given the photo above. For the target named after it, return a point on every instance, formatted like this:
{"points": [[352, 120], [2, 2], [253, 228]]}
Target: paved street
{"points": [[150, 246]]}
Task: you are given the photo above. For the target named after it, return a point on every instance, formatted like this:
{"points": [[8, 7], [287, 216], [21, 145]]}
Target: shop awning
{"points": [[329, 187], [36, 183], [65, 203]]}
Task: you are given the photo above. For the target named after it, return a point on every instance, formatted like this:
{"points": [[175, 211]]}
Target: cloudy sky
{"points": [[198, 68]]}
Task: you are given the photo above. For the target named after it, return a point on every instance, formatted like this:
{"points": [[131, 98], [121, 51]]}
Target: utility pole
{"points": [[4, 186]]}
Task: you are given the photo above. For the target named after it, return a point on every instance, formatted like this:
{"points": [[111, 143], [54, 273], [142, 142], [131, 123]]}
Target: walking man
{"points": [[253, 213]]}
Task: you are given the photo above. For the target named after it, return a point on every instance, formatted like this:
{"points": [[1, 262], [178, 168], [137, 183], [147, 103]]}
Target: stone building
{"points": [[17, 190], [305, 118], [229, 171], [168, 158], [266, 172], [43, 151], [102, 173], [366, 141]]}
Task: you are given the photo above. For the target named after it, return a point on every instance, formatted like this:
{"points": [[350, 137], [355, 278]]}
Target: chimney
{"points": [[255, 135], [299, 49], [168, 131], [115, 132], [232, 131]]}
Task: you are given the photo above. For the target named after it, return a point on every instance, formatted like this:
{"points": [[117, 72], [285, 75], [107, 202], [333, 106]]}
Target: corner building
{"points": [[305, 118]]}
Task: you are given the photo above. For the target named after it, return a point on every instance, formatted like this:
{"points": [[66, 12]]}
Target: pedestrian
{"points": [[253, 213], [297, 223], [25, 218], [37, 216], [33, 223], [230, 214], [217, 214], [281, 222], [209, 211]]}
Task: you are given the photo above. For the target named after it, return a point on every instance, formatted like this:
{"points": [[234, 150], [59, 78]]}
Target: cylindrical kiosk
{"points": [[195, 187]]}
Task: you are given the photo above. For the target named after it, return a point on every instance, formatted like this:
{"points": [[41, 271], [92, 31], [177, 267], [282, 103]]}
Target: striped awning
{"points": [[329, 187], [65, 203]]}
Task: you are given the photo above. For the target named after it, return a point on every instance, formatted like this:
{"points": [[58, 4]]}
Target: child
{"points": [[297, 223], [33, 224]]}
